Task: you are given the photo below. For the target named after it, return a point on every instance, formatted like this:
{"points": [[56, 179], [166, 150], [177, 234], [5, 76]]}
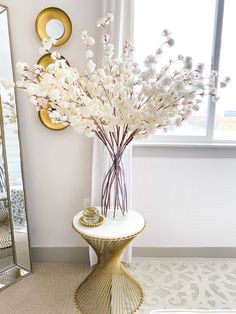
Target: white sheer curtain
{"points": [[120, 30]]}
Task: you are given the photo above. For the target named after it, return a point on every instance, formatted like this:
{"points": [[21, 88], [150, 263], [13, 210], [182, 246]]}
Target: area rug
{"points": [[191, 311], [186, 284]]}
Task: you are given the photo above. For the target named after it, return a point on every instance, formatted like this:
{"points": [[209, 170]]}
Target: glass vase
{"points": [[114, 190]]}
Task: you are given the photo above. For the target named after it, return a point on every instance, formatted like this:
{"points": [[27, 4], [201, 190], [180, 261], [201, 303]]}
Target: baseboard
{"points": [[59, 254], [188, 252], [80, 254]]}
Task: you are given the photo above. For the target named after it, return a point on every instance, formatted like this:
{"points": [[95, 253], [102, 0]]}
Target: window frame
{"points": [[197, 140]]}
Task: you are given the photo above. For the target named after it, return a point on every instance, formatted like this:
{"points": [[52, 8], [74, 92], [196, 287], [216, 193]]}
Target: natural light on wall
{"points": [[196, 33]]}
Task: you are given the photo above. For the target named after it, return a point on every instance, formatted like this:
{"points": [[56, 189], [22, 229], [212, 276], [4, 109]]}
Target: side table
{"points": [[110, 288]]}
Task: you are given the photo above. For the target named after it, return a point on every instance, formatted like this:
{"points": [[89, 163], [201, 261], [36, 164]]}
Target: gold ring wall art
{"points": [[53, 23], [44, 61]]}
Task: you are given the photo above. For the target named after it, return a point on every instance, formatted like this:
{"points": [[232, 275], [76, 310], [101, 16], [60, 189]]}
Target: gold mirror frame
{"points": [[53, 13], [44, 61], [18, 263]]}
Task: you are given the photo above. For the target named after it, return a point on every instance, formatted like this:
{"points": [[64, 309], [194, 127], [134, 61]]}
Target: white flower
{"points": [[42, 51], [166, 81], [21, 67], [179, 85], [180, 57], [110, 17], [170, 42], [55, 55], [91, 66], [166, 33], [178, 121], [105, 20], [88, 41], [188, 63], [119, 95], [200, 85], [54, 94], [200, 68], [99, 22], [84, 35], [225, 82], [150, 60], [7, 84], [109, 50], [159, 51], [89, 54]]}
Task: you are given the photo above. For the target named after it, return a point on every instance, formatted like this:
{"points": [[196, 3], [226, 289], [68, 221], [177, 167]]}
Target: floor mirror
{"points": [[14, 238]]}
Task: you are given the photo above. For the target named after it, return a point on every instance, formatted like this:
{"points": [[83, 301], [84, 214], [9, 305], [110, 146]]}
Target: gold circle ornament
{"points": [[44, 61], [53, 14], [46, 120]]}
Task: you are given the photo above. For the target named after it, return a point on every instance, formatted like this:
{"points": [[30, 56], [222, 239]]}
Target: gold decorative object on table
{"points": [[44, 61], [53, 23], [91, 217], [110, 288], [96, 224]]}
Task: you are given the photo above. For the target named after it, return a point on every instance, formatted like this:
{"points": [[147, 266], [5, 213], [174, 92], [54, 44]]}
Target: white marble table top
{"points": [[121, 226]]}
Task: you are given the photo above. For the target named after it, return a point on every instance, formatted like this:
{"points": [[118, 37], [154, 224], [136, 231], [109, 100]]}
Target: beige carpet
{"points": [[168, 284]]}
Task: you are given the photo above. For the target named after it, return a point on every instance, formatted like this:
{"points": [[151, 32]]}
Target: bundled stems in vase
{"points": [[114, 190]]}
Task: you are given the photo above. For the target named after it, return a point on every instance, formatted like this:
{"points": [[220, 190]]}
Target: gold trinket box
{"points": [[91, 217]]}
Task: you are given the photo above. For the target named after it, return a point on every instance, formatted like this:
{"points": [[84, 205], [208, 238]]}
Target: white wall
{"points": [[187, 195]]}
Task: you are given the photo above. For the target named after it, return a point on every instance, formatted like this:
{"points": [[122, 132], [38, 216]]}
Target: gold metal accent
{"points": [[46, 120], [96, 224], [44, 61], [91, 215], [53, 13], [109, 288]]}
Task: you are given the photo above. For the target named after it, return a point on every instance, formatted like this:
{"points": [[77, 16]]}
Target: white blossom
{"points": [[7, 84], [159, 51], [170, 42], [119, 97], [89, 54], [88, 41], [166, 33], [55, 55]]}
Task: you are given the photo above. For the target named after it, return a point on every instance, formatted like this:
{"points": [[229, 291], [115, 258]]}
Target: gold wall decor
{"points": [[44, 61], [53, 23], [46, 121]]}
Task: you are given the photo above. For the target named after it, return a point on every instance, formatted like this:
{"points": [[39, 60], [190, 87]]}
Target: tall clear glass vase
{"points": [[114, 190]]}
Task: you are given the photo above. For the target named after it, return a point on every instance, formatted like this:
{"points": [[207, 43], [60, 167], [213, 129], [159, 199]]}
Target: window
{"points": [[203, 30]]}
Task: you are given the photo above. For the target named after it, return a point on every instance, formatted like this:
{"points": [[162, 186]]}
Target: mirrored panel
{"points": [[14, 242], [55, 28]]}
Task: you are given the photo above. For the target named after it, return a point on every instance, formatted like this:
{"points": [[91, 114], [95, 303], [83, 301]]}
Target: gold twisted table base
{"points": [[109, 288]]}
